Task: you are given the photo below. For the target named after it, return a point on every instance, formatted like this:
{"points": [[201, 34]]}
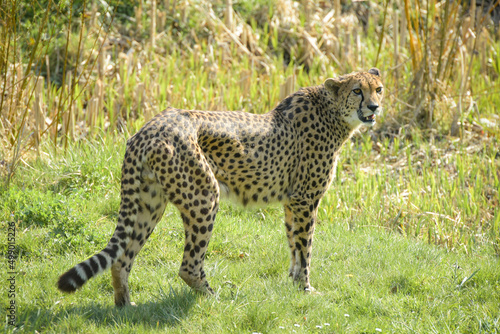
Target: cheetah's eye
{"points": [[357, 91], [379, 90]]}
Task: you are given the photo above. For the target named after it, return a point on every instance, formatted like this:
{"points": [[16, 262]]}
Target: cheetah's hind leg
{"points": [[195, 192], [148, 206]]}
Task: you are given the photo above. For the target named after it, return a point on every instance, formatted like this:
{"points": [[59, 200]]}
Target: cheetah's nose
{"points": [[372, 107]]}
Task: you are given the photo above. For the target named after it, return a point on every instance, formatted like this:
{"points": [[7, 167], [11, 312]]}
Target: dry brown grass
{"points": [[115, 73]]}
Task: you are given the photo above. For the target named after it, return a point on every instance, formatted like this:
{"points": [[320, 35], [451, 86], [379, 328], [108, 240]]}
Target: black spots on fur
{"points": [[303, 262], [259, 159], [300, 230], [303, 241], [122, 235], [131, 254]]}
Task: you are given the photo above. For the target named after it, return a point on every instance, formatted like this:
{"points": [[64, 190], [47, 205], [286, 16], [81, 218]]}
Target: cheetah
{"points": [[190, 158]]}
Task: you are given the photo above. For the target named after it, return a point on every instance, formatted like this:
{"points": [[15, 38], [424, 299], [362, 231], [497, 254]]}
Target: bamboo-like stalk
{"points": [[443, 30], [454, 49], [245, 82], [395, 25], [473, 14], [382, 33], [139, 96], [403, 27], [228, 15], [38, 112], [427, 71], [336, 30], [288, 87], [138, 15], [99, 96], [153, 23], [416, 25], [357, 48], [47, 66], [414, 59]]}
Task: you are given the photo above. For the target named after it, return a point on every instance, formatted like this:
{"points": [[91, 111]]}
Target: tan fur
{"points": [[189, 157]]}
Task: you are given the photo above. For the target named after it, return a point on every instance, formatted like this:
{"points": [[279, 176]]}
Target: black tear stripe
{"points": [[360, 112], [362, 99]]}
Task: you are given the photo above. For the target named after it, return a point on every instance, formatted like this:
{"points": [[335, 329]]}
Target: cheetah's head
{"points": [[358, 96]]}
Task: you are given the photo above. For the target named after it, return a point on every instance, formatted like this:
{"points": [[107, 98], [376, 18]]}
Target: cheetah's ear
{"points": [[374, 71], [333, 85]]}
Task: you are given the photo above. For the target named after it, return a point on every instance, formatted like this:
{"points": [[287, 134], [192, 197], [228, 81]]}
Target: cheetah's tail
{"points": [[77, 276]]}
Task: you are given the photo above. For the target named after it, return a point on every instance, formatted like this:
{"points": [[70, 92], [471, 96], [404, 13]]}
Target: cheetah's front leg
{"points": [[291, 239], [300, 216]]}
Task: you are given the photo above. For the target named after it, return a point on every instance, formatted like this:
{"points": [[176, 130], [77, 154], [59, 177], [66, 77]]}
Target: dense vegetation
{"points": [[409, 233]]}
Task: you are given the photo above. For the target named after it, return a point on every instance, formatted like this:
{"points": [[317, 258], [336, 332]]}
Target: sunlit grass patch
{"points": [[382, 255]]}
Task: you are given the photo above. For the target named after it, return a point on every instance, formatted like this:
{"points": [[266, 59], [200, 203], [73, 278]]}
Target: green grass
{"points": [[405, 243], [408, 238]]}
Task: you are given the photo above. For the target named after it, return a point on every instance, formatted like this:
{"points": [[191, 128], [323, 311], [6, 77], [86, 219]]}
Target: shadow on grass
{"points": [[165, 310]]}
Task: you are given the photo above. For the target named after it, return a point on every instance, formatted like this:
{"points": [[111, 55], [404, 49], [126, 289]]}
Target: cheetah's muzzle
{"points": [[370, 119]]}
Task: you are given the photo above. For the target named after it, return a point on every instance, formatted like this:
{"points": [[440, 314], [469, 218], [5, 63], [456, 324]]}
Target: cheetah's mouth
{"points": [[370, 119]]}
